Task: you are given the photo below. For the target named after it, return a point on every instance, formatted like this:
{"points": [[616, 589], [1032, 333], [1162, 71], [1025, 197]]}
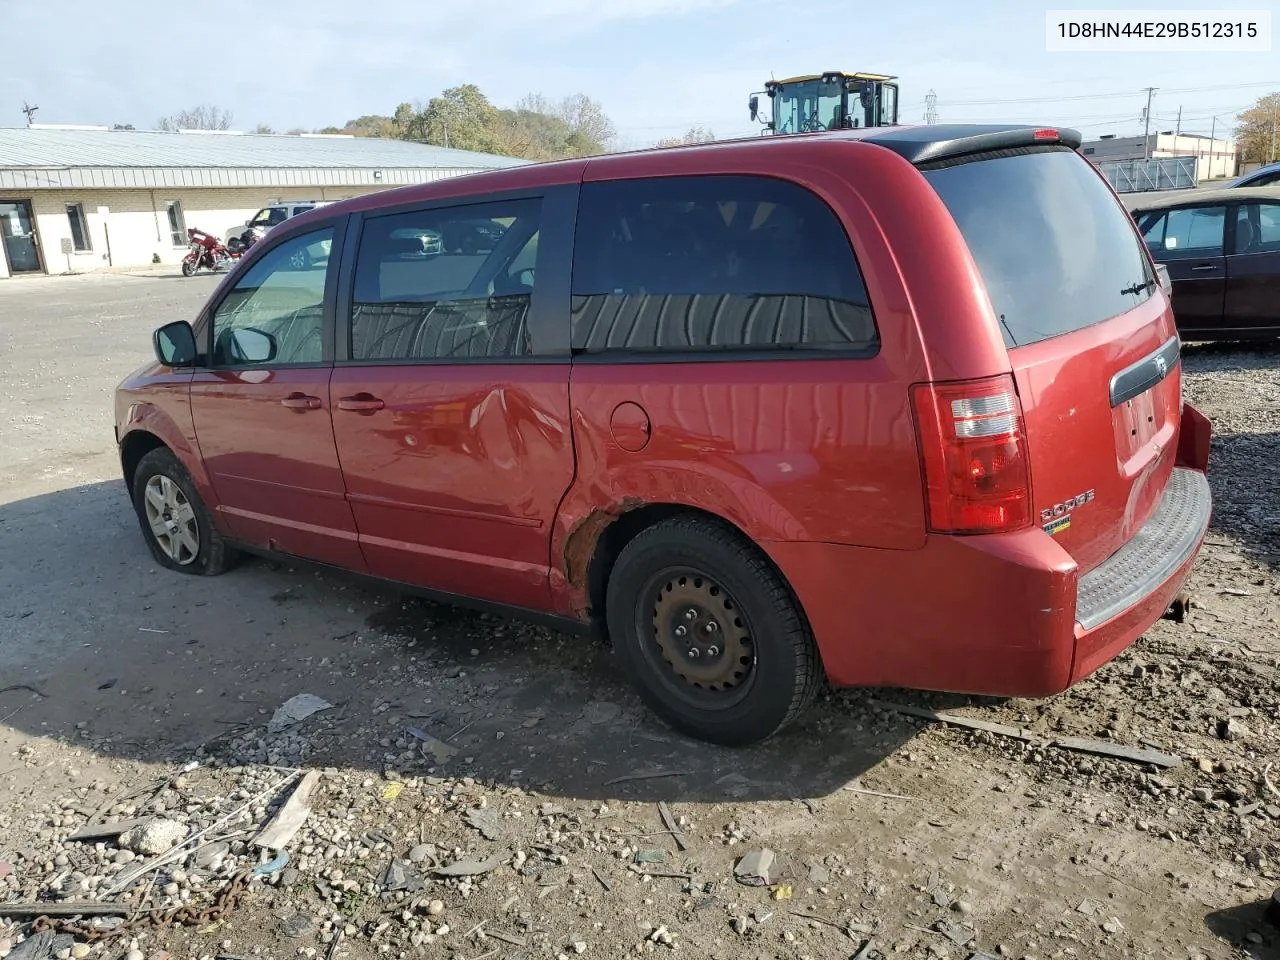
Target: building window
{"points": [[79, 228], [177, 222]]}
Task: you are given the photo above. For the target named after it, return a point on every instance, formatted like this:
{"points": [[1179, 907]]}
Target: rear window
{"points": [[714, 264], [1056, 251]]}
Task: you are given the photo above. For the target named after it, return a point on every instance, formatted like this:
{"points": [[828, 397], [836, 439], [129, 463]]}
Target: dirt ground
{"points": [[462, 744]]}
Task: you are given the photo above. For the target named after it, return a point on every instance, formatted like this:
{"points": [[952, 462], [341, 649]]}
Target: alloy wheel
{"points": [[172, 519]]}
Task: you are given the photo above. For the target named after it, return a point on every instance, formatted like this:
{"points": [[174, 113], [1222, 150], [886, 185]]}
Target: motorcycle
{"points": [[240, 245], [206, 251]]}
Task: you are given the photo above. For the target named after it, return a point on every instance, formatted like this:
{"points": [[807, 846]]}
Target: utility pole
{"points": [[1146, 131], [931, 107], [1213, 145], [1177, 131]]}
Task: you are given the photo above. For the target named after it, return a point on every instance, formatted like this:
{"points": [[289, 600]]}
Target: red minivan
{"points": [[899, 406]]}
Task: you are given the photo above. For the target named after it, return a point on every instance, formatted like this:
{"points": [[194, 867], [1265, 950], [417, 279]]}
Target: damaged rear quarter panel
{"points": [[784, 450]]}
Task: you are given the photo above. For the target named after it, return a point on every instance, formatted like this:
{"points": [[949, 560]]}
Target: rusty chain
{"points": [[185, 915]]}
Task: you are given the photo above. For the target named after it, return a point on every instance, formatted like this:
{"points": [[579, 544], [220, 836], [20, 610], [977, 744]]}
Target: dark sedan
{"points": [[1222, 251]]}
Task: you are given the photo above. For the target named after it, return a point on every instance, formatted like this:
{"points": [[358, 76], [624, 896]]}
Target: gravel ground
{"points": [[486, 788]]}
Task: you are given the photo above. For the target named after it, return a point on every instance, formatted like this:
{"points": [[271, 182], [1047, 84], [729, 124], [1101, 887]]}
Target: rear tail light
{"points": [[973, 446]]}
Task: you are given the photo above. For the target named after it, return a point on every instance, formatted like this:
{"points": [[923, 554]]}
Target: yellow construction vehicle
{"points": [[834, 100]]}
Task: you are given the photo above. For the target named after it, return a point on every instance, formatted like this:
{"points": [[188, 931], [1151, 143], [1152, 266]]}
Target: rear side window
{"points": [[1187, 232], [426, 289], [1056, 251], [714, 263]]}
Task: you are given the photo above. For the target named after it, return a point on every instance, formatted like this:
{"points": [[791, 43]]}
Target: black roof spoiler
{"points": [[930, 143]]}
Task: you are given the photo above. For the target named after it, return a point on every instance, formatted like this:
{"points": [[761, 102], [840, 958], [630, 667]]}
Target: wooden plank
{"points": [[69, 909], [1120, 752], [290, 817], [665, 812], [103, 831], [1018, 733]]}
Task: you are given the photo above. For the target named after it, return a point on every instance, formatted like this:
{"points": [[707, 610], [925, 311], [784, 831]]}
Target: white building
{"points": [[76, 199], [1215, 159]]}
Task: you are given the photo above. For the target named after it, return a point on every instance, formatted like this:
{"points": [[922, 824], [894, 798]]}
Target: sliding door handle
{"points": [[361, 403]]}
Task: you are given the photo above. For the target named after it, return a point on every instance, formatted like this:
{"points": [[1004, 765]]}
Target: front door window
{"points": [[275, 314]]}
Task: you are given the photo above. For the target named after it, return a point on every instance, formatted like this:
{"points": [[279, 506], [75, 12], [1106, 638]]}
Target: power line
{"points": [[1108, 96]]}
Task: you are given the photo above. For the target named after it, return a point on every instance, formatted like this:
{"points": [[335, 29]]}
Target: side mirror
{"points": [[175, 344], [754, 104], [251, 346]]}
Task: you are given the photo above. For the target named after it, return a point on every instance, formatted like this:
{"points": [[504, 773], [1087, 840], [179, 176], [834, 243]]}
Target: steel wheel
{"points": [[172, 520], [698, 637]]}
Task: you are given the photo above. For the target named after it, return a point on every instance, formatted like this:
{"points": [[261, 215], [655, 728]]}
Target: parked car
{"points": [[270, 216], [1222, 251], [899, 406], [1268, 176]]}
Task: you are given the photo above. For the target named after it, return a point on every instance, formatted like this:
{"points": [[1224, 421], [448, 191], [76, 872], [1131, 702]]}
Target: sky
{"points": [[658, 67]]}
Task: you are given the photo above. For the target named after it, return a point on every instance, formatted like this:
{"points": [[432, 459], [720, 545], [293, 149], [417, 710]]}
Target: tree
{"points": [[263, 128], [691, 136], [1258, 130], [461, 117], [591, 131], [202, 117]]}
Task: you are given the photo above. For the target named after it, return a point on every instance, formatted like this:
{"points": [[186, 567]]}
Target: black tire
{"points": [[212, 556], [729, 578], [188, 268]]}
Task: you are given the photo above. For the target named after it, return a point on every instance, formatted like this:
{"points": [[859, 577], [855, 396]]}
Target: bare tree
{"points": [[203, 117], [692, 136], [263, 128]]}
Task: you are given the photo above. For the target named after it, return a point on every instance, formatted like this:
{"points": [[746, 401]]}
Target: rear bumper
{"points": [[998, 615]]}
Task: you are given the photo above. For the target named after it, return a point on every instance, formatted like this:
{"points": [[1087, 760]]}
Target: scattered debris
{"points": [[295, 710], [290, 817], [401, 875], [756, 869], [670, 822], [599, 712], [470, 868], [442, 752], [1003, 730], [107, 831], [651, 856], [1102, 748], [487, 821], [25, 686], [68, 909], [854, 788], [655, 775], [154, 836]]}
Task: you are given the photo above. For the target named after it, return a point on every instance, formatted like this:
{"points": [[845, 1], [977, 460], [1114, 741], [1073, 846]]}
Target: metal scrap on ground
{"points": [[1079, 744], [665, 812], [290, 817], [296, 710]]}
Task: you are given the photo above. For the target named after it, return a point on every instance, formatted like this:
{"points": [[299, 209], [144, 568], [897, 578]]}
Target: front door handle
{"points": [[1205, 266], [361, 403], [300, 401]]}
